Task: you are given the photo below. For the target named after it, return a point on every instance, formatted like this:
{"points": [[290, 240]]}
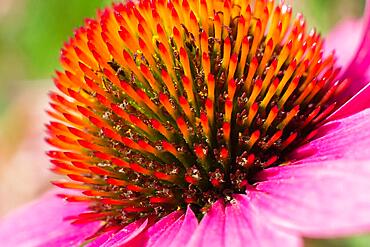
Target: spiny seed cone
{"points": [[165, 104]]}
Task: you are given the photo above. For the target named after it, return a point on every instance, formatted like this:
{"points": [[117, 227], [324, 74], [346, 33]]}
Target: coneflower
{"points": [[169, 106]]}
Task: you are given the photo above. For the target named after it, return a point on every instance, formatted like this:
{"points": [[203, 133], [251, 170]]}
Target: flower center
{"points": [[167, 104]]}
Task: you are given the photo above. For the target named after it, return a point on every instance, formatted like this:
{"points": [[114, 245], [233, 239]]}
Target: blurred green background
{"points": [[33, 31]]}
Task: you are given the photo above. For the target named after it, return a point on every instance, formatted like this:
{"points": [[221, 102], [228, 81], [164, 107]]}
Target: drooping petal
{"points": [[211, 228], [359, 65], [41, 223], [344, 39], [316, 199], [360, 101], [347, 138], [244, 227]]}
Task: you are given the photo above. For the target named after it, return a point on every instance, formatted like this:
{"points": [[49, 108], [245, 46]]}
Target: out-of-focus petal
{"points": [[344, 39], [347, 138], [357, 103], [316, 199], [41, 223], [361, 62], [358, 66], [211, 229], [245, 227]]}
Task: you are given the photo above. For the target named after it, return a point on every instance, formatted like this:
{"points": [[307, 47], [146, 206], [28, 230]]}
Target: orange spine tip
{"points": [[288, 118], [204, 42], [273, 139], [206, 129], [226, 55], [232, 66], [252, 69], [256, 91], [266, 56], [240, 34], [270, 93], [244, 55], [252, 113], [206, 64], [253, 139], [270, 118], [185, 107], [188, 85], [292, 86], [218, 29], [184, 129], [270, 161], [288, 141]]}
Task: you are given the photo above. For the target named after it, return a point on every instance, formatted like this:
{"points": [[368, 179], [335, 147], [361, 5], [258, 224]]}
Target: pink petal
{"points": [[167, 236], [40, 223], [188, 227], [244, 225], [357, 103], [347, 138], [315, 199], [211, 228], [345, 39], [111, 238], [360, 64], [154, 232], [123, 236]]}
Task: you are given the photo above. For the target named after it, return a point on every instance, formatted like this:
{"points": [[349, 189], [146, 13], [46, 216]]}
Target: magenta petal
{"points": [[154, 232], [316, 199], [245, 225], [167, 236], [345, 39], [121, 237], [187, 229], [347, 138], [211, 228], [360, 64], [357, 103], [115, 238], [40, 223]]}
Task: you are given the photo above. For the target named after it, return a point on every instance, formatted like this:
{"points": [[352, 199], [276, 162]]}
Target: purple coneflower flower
{"points": [[189, 123]]}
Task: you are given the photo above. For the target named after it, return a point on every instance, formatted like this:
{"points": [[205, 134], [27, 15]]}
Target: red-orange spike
{"points": [[273, 139], [288, 141], [184, 129], [206, 128], [244, 56], [270, 118], [232, 66], [252, 69], [256, 91], [253, 138], [252, 113], [227, 53], [186, 107], [226, 129], [188, 86], [288, 118]]}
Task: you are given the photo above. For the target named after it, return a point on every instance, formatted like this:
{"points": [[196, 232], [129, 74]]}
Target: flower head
{"points": [[169, 112], [172, 106]]}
